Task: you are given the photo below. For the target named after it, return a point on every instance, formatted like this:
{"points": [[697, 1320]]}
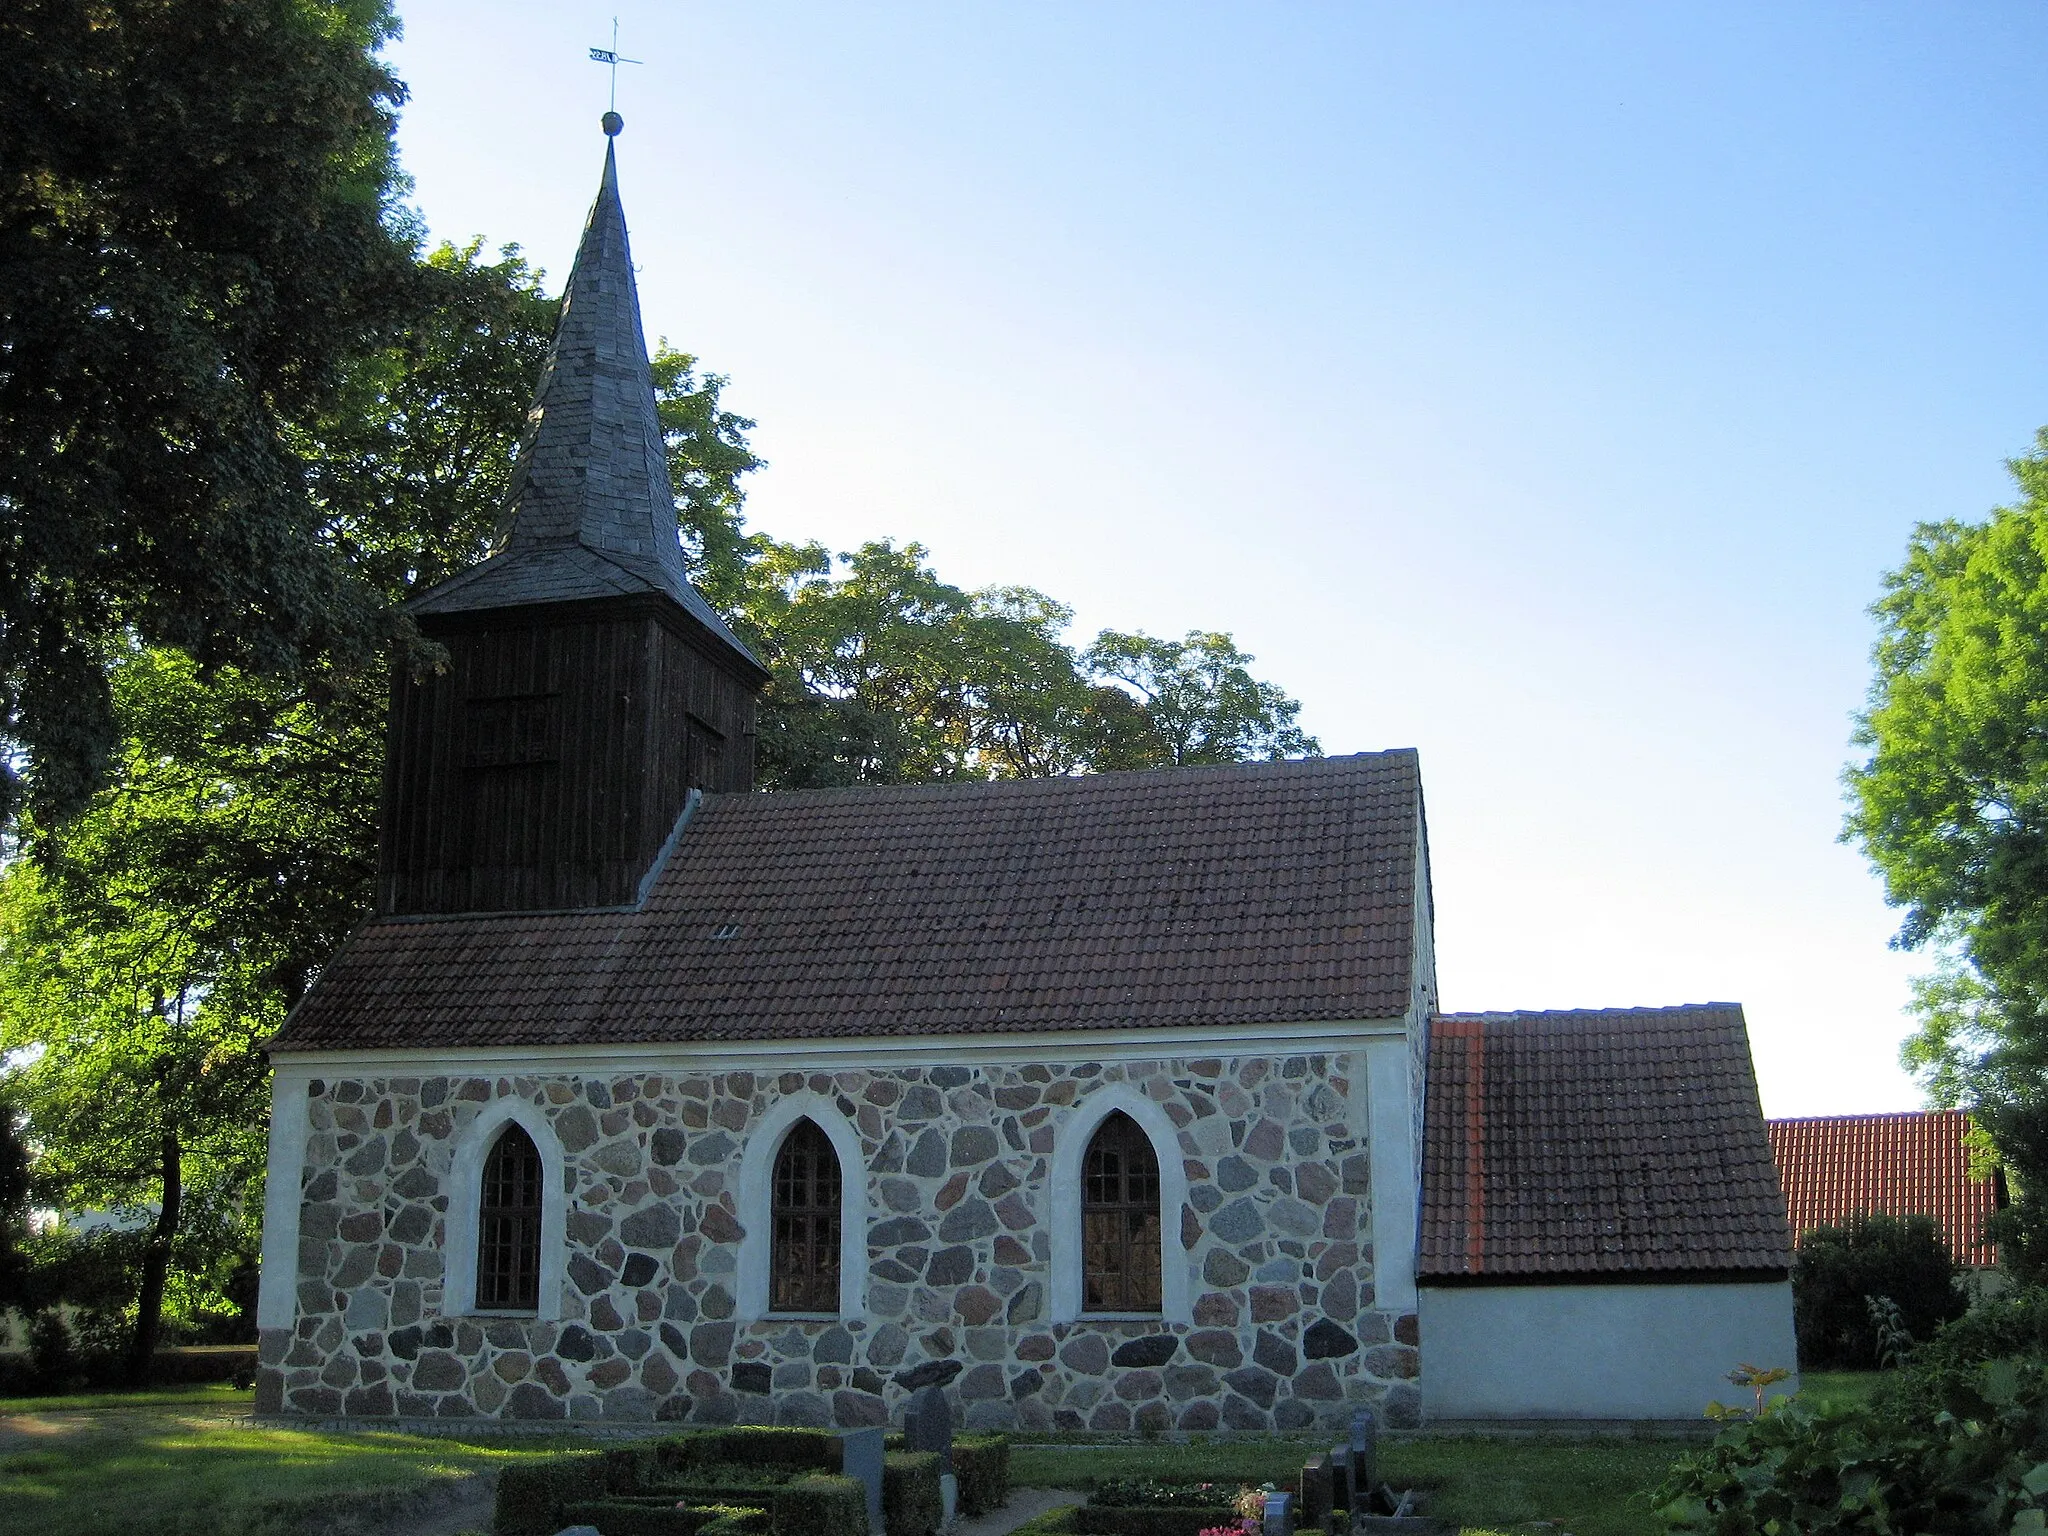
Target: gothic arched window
{"points": [[508, 1226], [1120, 1220], [804, 1267]]}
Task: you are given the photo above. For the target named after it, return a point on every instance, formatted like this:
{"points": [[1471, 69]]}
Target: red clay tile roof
{"points": [[1615, 1143], [1254, 893], [1912, 1164]]}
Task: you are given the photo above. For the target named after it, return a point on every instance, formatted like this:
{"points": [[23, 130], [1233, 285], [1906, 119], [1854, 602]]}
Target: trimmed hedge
{"points": [[1112, 1520], [982, 1465], [819, 1504], [531, 1494], [1093, 1520], [627, 1517], [911, 1504], [1054, 1522]]}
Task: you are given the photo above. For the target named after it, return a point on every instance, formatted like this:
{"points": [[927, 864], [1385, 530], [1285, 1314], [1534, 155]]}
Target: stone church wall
{"points": [[1282, 1328]]}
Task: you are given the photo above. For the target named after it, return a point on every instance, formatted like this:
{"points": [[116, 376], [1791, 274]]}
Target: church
{"points": [[1118, 1102]]}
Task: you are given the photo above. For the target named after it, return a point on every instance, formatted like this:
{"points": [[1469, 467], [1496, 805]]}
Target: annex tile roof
{"points": [[591, 510], [1622, 1143], [1913, 1164], [1280, 892]]}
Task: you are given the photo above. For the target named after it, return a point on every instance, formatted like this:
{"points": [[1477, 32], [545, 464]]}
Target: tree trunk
{"points": [[156, 1265]]}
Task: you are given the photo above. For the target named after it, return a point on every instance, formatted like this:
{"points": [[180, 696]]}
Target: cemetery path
{"points": [[1025, 1504]]}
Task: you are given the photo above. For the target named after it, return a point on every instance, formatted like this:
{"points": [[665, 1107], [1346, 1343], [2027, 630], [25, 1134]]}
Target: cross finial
{"points": [[610, 56]]}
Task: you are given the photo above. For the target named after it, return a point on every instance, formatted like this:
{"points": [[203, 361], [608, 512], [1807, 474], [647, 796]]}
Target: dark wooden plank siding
{"points": [[546, 766]]}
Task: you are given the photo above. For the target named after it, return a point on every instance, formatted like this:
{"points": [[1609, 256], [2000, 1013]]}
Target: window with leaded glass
{"points": [[1120, 1220], [508, 1226], [804, 1271]]}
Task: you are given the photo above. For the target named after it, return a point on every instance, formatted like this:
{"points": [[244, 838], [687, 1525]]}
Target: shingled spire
{"points": [[591, 513], [589, 691]]}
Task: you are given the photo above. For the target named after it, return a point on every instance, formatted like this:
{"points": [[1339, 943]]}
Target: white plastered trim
{"points": [[1069, 1149], [464, 1189], [757, 1203], [277, 1295], [881, 1053], [1395, 1191]]}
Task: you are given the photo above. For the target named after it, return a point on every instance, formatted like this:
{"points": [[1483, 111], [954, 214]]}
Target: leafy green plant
{"points": [[1902, 1258], [1977, 1464]]}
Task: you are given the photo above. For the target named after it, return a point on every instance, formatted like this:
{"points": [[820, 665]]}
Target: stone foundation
{"points": [[1284, 1330]]}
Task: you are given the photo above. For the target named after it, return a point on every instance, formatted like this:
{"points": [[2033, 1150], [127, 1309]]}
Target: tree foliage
{"points": [[196, 238], [1951, 806], [1839, 1270]]}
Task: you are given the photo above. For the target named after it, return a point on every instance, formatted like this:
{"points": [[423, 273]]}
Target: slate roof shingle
{"points": [[1602, 1143], [1911, 1164], [591, 510], [1254, 893]]}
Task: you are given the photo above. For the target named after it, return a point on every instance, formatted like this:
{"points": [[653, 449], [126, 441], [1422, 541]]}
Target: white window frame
{"points": [[465, 1199], [757, 1207], [1069, 1154]]}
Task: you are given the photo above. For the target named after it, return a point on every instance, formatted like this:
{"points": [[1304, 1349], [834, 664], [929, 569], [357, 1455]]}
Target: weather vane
{"points": [[610, 56]]}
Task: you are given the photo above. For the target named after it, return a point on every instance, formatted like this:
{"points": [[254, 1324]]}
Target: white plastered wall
{"points": [[1598, 1351], [277, 1297]]}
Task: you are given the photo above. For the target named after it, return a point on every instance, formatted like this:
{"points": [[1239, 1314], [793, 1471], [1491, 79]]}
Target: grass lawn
{"points": [[1587, 1487], [1842, 1387], [179, 1463]]}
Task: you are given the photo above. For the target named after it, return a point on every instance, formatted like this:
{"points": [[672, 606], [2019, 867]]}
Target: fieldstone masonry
{"points": [[1285, 1332]]}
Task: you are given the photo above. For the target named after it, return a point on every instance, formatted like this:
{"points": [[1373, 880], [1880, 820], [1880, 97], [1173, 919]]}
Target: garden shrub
{"points": [[982, 1465], [1837, 1269], [1156, 1520], [531, 1494], [1977, 1464], [1054, 1522], [911, 1505], [819, 1504], [631, 1517], [758, 1446], [738, 1522], [2003, 1326]]}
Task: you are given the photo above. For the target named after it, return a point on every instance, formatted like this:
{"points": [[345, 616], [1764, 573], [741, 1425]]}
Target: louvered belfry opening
{"points": [[804, 1271], [1120, 1220], [508, 1226]]}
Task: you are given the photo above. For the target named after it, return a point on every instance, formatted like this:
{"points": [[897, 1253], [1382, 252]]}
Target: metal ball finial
{"points": [[613, 123]]}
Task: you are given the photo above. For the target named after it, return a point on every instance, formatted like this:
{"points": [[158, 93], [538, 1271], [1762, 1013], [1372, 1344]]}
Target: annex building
{"points": [[1117, 1102]]}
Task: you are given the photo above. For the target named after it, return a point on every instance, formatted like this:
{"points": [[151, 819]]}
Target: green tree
{"points": [[1197, 703], [150, 943], [197, 235], [1838, 1270], [1951, 807]]}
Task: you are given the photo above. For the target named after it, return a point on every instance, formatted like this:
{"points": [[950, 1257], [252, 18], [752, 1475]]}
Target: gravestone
{"points": [[860, 1457], [1364, 1457], [928, 1425], [1279, 1515], [1316, 1492], [1340, 1477]]}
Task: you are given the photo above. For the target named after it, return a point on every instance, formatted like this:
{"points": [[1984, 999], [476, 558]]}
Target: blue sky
{"points": [[1542, 387]]}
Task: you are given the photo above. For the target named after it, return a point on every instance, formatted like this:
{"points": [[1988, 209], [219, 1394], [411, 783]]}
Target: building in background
{"points": [[1912, 1164]]}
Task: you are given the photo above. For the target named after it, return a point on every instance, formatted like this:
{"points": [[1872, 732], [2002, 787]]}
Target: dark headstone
{"points": [[933, 1373], [860, 1458], [1340, 1477], [1315, 1492], [928, 1425], [1364, 1455]]}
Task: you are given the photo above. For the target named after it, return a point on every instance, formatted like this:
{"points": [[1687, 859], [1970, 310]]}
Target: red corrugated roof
{"points": [[1912, 1164]]}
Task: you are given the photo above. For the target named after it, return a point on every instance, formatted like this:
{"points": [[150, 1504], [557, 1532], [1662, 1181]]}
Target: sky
{"points": [[1545, 388]]}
